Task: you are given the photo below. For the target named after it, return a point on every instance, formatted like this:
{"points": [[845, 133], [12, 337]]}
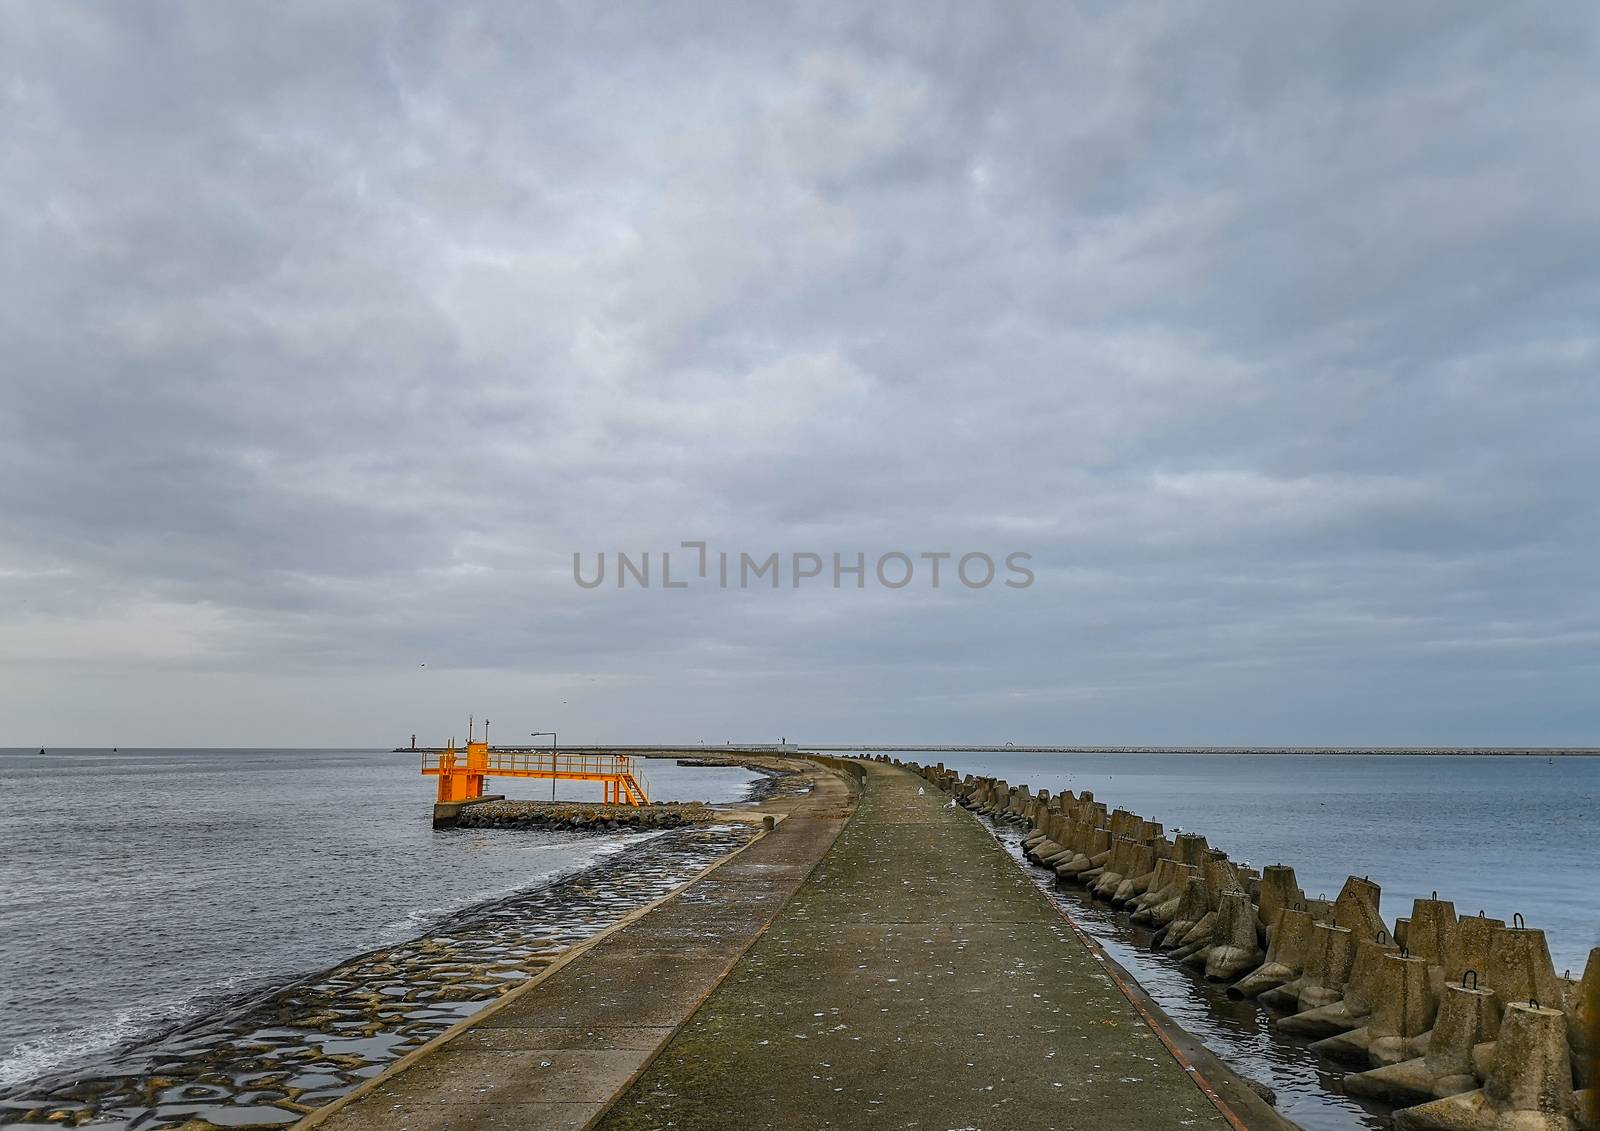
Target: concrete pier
{"points": [[913, 977], [554, 1053], [918, 979]]}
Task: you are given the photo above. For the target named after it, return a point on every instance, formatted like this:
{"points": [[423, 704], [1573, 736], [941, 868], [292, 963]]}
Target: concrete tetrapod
{"points": [[1468, 1017], [1403, 1008], [1066, 833], [1519, 967], [1350, 1005], [1529, 1087], [1166, 869], [1095, 843], [1161, 906], [1333, 951], [1140, 872], [1357, 908], [1192, 848], [1192, 908], [1218, 875], [1041, 848], [1278, 890], [1583, 1024], [1286, 955], [1160, 903], [1473, 937], [1079, 835], [1431, 935], [1235, 949], [1118, 867]]}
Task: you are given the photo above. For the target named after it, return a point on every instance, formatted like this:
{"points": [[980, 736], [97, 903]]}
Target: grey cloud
{"points": [[330, 334]]}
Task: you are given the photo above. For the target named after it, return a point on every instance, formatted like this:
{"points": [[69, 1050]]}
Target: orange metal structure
{"points": [[461, 773]]}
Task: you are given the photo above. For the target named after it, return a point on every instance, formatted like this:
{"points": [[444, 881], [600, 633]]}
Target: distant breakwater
{"points": [[1456, 1022]]}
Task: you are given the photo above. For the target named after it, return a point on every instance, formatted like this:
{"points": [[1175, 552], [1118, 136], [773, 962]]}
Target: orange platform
{"points": [[461, 773]]}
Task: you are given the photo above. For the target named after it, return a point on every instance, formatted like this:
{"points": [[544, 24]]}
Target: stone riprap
{"points": [[582, 817], [1416, 1010], [297, 1048]]}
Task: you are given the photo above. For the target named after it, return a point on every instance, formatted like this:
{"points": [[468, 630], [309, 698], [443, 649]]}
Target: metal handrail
{"points": [[513, 760], [621, 768]]}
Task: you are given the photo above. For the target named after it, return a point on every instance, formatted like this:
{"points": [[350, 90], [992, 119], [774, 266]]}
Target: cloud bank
{"points": [[332, 333]]}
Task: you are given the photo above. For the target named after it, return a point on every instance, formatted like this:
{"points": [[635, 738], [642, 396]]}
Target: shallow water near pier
{"points": [[144, 889]]}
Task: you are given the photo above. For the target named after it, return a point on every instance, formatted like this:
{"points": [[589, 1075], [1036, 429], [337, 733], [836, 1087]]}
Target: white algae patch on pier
{"points": [[284, 1053]]}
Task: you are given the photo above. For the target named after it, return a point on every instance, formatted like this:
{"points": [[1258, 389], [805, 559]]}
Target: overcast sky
{"points": [[332, 332]]}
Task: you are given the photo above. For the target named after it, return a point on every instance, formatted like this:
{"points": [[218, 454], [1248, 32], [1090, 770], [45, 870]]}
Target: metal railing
{"points": [[541, 764]]}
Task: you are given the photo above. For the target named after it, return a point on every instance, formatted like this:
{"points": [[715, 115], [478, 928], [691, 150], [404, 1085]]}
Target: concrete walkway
{"points": [[555, 1055], [917, 980]]}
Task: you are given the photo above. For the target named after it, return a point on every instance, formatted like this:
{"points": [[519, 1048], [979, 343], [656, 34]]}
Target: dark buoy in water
{"points": [[41, 749]]}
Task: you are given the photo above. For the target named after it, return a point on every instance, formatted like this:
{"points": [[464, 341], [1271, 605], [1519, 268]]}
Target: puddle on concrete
{"points": [[1307, 1086], [272, 1059]]}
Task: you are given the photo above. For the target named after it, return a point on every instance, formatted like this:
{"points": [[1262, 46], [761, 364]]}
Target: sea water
{"points": [[143, 888]]}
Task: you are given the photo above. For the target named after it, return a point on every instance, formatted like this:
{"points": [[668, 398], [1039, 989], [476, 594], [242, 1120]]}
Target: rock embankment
{"points": [[580, 816]]}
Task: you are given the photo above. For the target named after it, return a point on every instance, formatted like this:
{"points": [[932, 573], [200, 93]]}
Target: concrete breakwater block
{"points": [[1286, 955], [1234, 949], [1116, 867], [1402, 1004], [1327, 970], [1141, 869], [1519, 967], [1529, 1086], [1431, 932], [1193, 907], [1278, 890], [1160, 907], [1583, 1023], [1468, 1017], [1473, 936], [1352, 1002], [1218, 875], [1090, 843], [1191, 848], [1357, 908], [1402, 1009]]}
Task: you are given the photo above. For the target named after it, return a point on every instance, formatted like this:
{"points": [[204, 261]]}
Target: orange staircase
{"points": [[461, 773]]}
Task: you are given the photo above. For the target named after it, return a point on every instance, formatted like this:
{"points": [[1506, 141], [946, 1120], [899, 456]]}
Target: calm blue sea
{"points": [[140, 888], [1497, 834]]}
